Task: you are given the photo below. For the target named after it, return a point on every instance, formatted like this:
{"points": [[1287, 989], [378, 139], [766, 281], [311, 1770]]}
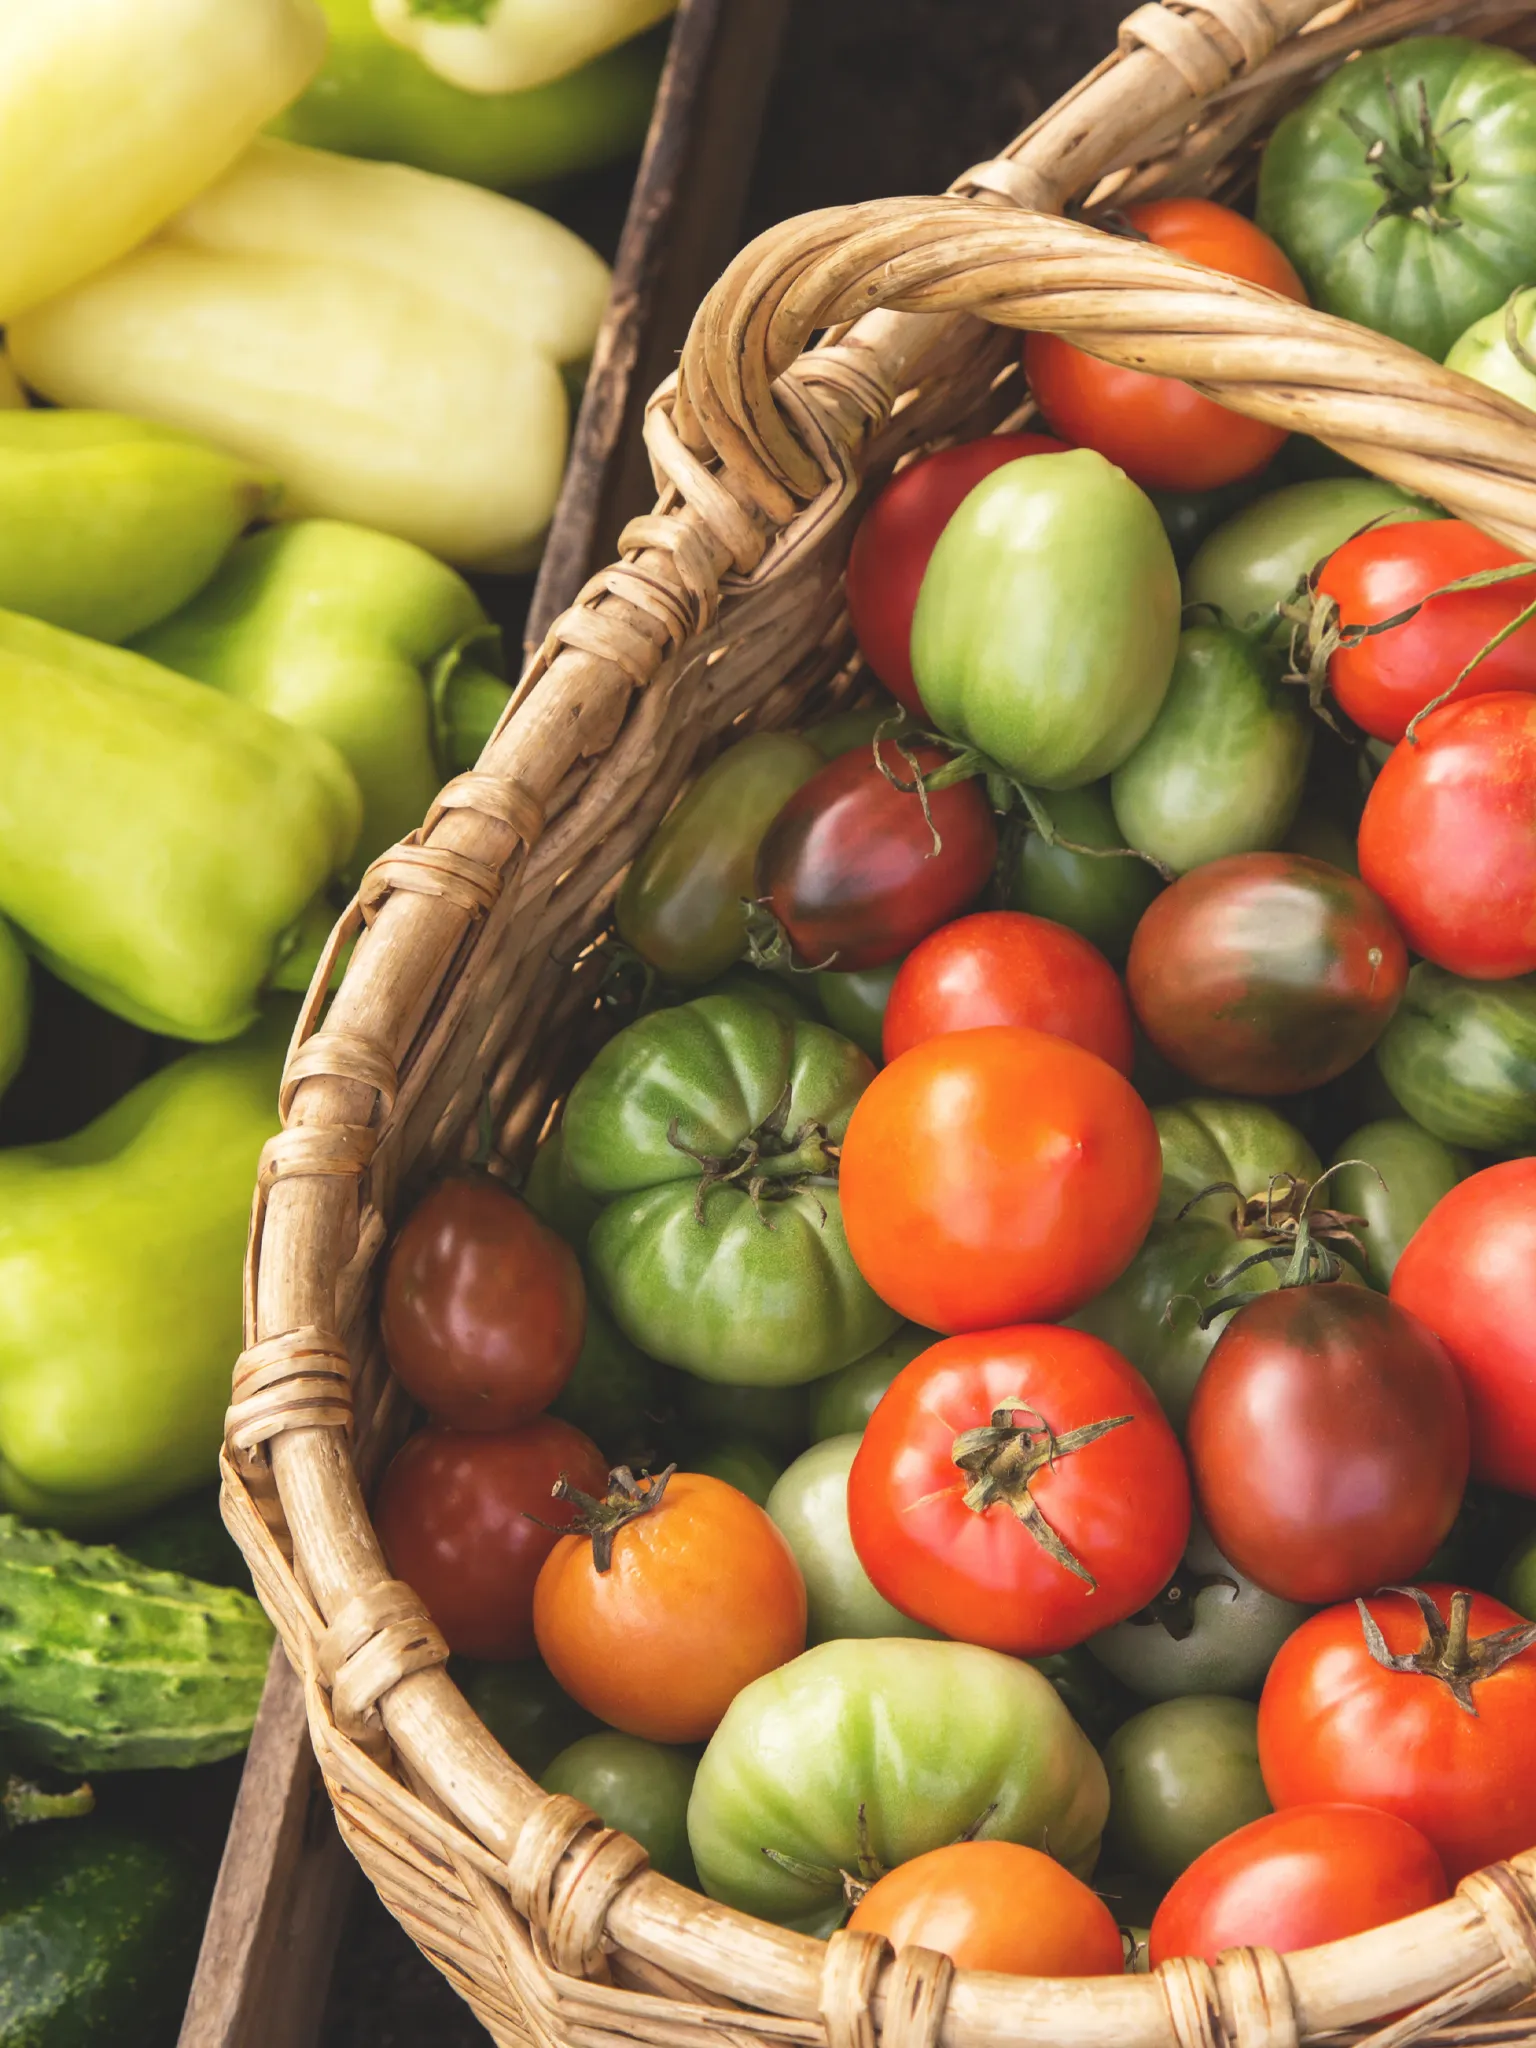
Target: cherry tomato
{"points": [[484, 1306], [1387, 679], [1328, 1442], [997, 1176], [1265, 973], [1164, 434], [897, 535], [683, 1593], [995, 1906], [455, 1513], [850, 868], [1469, 1273], [1296, 1879], [1425, 1713], [1448, 838], [1020, 1489], [1006, 967]]}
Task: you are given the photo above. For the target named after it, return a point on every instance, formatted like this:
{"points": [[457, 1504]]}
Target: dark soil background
{"points": [[871, 97]]}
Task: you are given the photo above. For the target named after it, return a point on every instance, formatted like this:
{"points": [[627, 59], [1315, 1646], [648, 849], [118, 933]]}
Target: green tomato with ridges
{"points": [[809, 1503], [1460, 1056], [1404, 1171], [1182, 1775]]}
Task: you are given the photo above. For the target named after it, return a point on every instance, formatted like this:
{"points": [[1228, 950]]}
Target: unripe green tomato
{"points": [[640, 1788], [773, 1418], [615, 1394], [1211, 1138], [850, 729], [1257, 560], [845, 1400], [1182, 1775], [809, 1503], [526, 1711], [1484, 354], [742, 1464], [1460, 1056], [1405, 1172], [557, 1197], [1101, 897], [855, 1004], [1519, 1579]]}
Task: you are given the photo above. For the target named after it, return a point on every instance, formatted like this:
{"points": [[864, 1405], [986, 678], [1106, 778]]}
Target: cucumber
{"points": [[98, 1934], [109, 1665]]}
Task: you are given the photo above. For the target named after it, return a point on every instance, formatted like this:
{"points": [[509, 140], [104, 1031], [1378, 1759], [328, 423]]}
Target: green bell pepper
{"points": [[351, 634], [158, 841], [15, 1006], [374, 99], [107, 524], [120, 1256], [494, 46]]}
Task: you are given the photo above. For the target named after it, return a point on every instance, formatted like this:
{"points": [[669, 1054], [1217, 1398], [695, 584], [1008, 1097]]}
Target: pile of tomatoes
{"points": [[1005, 1408]]}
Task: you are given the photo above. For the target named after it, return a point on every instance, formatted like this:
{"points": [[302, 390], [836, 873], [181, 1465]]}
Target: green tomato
{"points": [[1209, 1631], [526, 1711], [1405, 1173], [682, 903], [1207, 1139], [844, 1401], [1484, 352], [1404, 189], [1222, 769], [854, 1004], [851, 729], [1190, 517], [927, 1740], [1182, 1775], [1519, 1579], [640, 1788], [1460, 1056], [774, 1419], [1323, 838], [742, 1464], [1048, 619], [15, 1006], [556, 1196], [810, 1505], [1101, 898], [614, 1394], [1257, 560]]}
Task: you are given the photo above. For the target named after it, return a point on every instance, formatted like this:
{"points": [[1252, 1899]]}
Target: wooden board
{"points": [[285, 1879]]}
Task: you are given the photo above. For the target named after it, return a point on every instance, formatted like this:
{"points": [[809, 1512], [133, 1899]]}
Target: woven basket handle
{"points": [[745, 386]]}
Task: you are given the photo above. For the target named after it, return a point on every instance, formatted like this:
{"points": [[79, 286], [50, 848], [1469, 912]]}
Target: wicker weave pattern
{"points": [[475, 974]]}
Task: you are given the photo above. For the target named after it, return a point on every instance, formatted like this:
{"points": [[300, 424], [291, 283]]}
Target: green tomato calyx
{"points": [[1409, 163], [1448, 1651], [22, 1804], [1006, 1457], [1174, 1608], [1295, 1235], [770, 1164], [626, 1500]]}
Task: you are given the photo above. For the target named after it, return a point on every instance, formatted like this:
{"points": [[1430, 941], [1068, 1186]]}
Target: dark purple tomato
{"points": [[850, 867], [1266, 973], [1328, 1442]]}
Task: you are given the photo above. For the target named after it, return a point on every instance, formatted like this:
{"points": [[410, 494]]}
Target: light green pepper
{"points": [[491, 46], [357, 636], [120, 1255], [158, 841], [15, 1006], [107, 524]]}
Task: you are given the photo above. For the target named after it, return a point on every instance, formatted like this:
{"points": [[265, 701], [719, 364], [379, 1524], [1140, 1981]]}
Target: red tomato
{"points": [[1469, 1273], [897, 535], [1448, 838], [1336, 1722], [484, 1306], [1006, 967], [455, 1511], [995, 1906], [1164, 434], [849, 866], [1020, 1489], [1328, 1442], [1297, 1879], [997, 1176], [1390, 677]]}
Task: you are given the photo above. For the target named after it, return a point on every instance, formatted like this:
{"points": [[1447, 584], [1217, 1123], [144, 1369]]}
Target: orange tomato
{"points": [[1164, 434], [995, 1906], [699, 1596]]}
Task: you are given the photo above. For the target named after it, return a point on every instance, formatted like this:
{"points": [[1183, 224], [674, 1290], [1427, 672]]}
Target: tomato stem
{"points": [[1005, 1458], [1449, 1652], [1409, 164], [1299, 1237], [626, 1500]]}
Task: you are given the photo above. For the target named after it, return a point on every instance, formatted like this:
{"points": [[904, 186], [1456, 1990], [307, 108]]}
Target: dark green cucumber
{"points": [[109, 1665], [1460, 1056]]}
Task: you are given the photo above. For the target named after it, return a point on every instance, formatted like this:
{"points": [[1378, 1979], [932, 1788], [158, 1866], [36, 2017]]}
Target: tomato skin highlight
{"points": [[1469, 1273], [897, 535], [1448, 837], [1006, 967], [1298, 1878], [995, 1906], [1120, 1504], [1336, 1725], [1165, 435], [996, 1176]]}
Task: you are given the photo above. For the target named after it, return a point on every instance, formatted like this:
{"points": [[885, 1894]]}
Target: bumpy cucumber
{"points": [[109, 1665]]}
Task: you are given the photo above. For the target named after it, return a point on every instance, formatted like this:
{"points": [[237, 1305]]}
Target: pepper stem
{"points": [[1449, 1651]]}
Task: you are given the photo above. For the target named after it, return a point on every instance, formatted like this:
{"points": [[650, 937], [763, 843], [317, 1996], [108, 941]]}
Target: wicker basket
{"points": [[479, 952]]}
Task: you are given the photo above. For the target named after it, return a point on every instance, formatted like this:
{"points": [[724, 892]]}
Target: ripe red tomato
{"points": [[849, 866], [1297, 1879], [1019, 1488], [1448, 838], [995, 1906], [455, 1511], [1469, 1273], [1164, 434], [1338, 1722], [897, 535], [997, 1176], [1006, 967], [484, 1306], [1265, 973], [1386, 680], [1328, 1442]]}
